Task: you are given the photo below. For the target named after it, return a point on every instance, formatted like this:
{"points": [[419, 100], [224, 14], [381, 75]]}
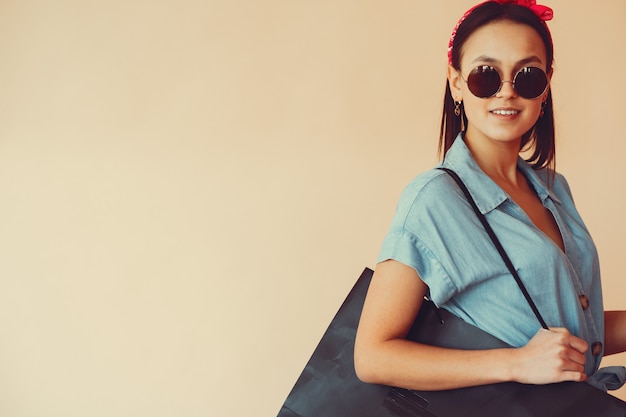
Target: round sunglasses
{"points": [[485, 81]]}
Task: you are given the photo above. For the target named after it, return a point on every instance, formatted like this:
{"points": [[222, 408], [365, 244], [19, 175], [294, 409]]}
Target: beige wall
{"points": [[189, 189]]}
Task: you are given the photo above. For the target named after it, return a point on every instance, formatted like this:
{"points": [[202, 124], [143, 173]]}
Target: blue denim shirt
{"points": [[436, 232]]}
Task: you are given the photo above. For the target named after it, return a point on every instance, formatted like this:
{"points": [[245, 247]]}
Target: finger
{"points": [[573, 376], [579, 344], [577, 358], [575, 342], [571, 364]]}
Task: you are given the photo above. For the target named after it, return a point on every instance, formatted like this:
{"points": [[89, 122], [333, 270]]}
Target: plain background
{"points": [[190, 188]]}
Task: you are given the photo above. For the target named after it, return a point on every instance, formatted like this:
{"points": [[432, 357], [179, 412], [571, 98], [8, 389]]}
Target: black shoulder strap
{"points": [[497, 244]]}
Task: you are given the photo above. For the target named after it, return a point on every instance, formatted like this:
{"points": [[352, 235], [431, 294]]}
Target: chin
{"points": [[508, 135]]}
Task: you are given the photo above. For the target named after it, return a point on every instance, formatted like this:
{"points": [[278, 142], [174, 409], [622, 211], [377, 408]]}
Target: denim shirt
{"points": [[436, 232]]}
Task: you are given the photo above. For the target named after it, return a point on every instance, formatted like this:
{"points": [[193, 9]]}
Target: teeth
{"points": [[505, 112]]}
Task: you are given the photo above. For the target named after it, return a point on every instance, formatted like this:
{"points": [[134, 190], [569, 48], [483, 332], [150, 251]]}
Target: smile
{"points": [[505, 112]]}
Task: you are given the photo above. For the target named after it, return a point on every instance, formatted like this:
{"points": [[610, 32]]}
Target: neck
{"points": [[497, 159]]}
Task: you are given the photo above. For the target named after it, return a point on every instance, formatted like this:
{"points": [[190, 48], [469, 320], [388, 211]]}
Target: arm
{"points": [[384, 356], [614, 332]]}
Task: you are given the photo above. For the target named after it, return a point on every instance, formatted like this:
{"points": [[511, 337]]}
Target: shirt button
{"points": [[584, 301], [596, 348]]}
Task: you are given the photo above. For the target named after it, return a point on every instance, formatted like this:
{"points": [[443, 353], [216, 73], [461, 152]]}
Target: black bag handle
{"points": [[497, 244]]}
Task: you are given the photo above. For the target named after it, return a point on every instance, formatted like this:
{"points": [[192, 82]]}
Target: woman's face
{"points": [[508, 47]]}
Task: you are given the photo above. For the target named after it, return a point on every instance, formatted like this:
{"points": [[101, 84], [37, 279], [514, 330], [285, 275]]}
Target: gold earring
{"points": [[457, 108]]}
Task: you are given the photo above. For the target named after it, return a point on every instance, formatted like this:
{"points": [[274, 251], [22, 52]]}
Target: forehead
{"points": [[505, 42]]}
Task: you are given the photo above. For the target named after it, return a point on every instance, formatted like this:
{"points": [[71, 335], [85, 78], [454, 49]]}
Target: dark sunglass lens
{"points": [[530, 82], [483, 81]]}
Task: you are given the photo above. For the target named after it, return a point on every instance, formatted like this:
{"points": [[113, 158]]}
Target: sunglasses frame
{"points": [[512, 82]]}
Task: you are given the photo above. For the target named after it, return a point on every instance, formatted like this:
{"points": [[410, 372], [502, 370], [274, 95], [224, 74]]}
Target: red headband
{"points": [[543, 12]]}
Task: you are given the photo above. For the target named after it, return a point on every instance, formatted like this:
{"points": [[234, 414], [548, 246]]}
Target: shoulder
{"points": [[428, 195], [561, 186], [556, 183], [428, 186]]}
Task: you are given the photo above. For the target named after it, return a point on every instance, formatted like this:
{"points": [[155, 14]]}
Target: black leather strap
{"points": [[497, 244]]}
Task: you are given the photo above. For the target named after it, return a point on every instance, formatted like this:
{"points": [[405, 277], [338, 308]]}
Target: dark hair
{"points": [[540, 138]]}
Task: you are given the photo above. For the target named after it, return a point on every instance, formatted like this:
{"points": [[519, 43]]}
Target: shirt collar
{"points": [[486, 193]]}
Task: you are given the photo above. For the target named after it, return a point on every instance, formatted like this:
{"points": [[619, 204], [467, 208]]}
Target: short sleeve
{"points": [[432, 228], [402, 246]]}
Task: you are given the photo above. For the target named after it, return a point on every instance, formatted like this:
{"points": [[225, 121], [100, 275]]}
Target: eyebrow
{"points": [[489, 60]]}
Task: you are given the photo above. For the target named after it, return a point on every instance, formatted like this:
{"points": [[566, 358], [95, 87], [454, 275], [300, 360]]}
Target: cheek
{"points": [[535, 109], [474, 107]]}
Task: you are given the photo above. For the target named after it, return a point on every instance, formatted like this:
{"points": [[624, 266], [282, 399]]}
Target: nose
{"points": [[507, 89]]}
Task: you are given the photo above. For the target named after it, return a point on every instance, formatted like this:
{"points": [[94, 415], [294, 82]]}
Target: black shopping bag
{"points": [[329, 387]]}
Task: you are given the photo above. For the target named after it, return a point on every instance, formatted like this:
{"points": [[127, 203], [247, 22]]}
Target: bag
{"points": [[329, 387]]}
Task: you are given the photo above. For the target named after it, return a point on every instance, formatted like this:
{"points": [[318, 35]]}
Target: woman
{"points": [[498, 102]]}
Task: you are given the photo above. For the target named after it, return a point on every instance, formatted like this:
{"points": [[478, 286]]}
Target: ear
{"points": [[455, 82]]}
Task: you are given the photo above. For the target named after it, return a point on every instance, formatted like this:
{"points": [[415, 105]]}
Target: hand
{"points": [[553, 355]]}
